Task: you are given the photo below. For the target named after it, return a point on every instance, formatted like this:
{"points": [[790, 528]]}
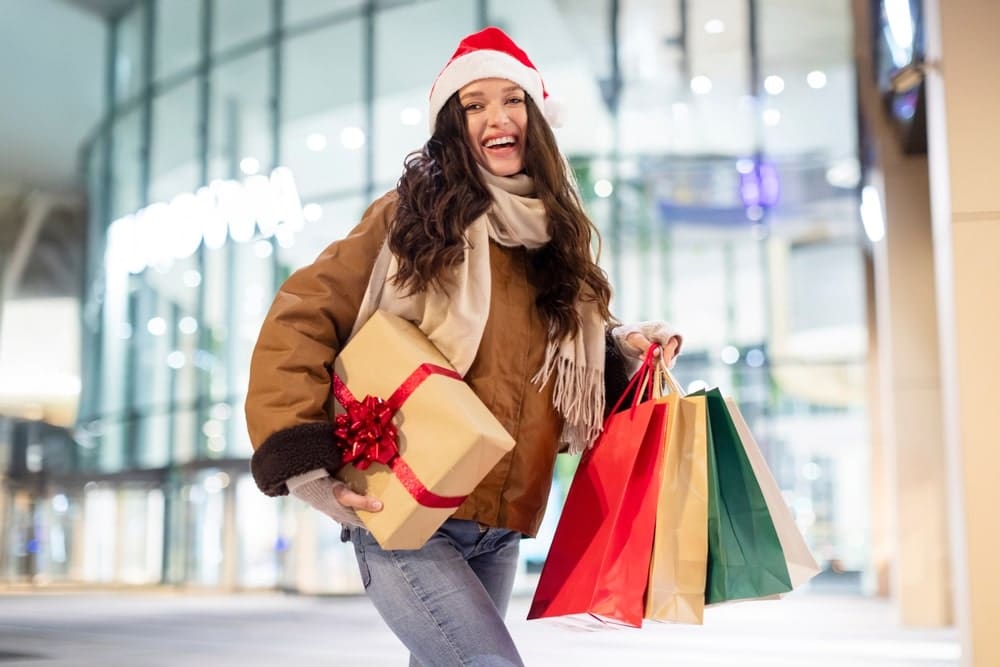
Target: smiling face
{"points": [[496, 121]]}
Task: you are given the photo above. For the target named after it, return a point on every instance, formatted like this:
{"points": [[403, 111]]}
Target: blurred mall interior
{"points": [[806, 188]]}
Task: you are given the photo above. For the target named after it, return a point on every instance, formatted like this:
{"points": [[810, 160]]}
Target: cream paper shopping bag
{"points": [[677, 572], [801, 565]]}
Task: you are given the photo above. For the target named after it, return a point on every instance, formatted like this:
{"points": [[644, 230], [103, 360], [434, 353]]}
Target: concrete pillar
{"points": [[908, 423], [963, 94]]}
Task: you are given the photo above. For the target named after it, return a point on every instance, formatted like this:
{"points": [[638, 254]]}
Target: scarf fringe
{"points": [[578, 396]]}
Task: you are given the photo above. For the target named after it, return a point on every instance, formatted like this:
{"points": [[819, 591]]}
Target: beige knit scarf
{"points": [[454, 318]]}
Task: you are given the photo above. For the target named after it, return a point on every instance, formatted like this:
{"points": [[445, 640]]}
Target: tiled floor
{"points": [[159, 629]]}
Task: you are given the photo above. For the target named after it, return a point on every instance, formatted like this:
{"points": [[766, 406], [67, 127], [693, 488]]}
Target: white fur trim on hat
{"points": [[483, 64]]}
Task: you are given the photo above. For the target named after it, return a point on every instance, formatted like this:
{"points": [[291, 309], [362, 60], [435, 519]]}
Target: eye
{"points": [[515, 100], [473, 106]]}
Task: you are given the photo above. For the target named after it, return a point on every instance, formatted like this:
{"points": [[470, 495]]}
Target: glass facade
{"points": [[715, 150]]}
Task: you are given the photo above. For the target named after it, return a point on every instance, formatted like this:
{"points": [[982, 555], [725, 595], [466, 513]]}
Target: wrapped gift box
{"points": [[447, 439]]}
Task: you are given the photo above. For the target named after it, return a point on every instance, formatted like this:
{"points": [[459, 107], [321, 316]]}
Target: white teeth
{"points": [[499, 141]]}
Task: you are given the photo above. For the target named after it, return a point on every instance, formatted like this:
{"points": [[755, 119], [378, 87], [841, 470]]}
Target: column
{"points": [[963, 96], [909, 477]]}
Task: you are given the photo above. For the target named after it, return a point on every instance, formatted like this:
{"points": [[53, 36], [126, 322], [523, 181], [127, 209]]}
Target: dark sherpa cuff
{"points": [[292, 452]]}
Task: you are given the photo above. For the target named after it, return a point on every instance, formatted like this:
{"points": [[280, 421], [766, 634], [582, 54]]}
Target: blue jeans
{"points": [[446, 601]]}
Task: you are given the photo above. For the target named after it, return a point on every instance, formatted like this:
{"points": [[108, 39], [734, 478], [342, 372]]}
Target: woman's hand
{"points": [[634, 339], [668, 350], [343, 495], [332, 497]]}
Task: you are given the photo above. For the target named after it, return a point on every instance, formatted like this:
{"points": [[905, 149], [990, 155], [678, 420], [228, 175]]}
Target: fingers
{"points": [[667, 348], [348, 498], [638, 341], [670, 347]]}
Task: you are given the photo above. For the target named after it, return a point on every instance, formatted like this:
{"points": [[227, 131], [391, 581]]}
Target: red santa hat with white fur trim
{"points": [[488, 54]]}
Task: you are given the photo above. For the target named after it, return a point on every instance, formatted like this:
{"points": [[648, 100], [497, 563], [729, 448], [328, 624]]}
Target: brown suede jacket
{"points": [[310, 320]]}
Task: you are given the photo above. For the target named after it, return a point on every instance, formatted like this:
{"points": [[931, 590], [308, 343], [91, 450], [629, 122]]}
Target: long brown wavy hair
{"points": [[441, 193]]}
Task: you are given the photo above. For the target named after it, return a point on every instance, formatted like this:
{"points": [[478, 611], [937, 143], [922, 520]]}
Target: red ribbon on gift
{"points": [[366, 434]]}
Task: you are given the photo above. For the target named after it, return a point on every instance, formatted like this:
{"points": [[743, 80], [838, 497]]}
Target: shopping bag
{"points": [[679, 560], [745, 559], [800, 562], [597, 568]]}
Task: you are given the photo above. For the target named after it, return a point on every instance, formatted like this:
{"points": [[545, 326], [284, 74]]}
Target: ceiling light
{"points": [[871, 213], [603, 188], [816, 79], [410, 116], [715, 26], [774, 84], [353, 138], [312, 212], [249, 166], [701, 85], [316, 141]]}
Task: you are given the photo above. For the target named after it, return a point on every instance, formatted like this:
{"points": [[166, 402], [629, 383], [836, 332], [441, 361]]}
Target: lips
{"points": [[500, 142]]}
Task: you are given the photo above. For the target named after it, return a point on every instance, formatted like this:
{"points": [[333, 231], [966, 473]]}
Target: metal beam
{"points": [[37, 207]]}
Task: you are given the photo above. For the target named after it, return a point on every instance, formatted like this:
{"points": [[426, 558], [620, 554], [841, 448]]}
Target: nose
{"points": [[499, 116]]}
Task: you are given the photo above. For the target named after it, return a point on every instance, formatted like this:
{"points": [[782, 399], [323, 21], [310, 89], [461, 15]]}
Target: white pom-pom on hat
{"points": [[555, 111], [487, 54]]}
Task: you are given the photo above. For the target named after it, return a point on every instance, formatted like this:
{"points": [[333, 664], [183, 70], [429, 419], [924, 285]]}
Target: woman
{"points": [[485, 246]]}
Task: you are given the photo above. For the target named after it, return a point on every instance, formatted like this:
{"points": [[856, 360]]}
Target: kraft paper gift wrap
{"points": [[447, 439]]}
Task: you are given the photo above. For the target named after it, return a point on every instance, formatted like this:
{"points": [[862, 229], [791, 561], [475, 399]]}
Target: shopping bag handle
{"points": [[662, 376], [644, 376]]}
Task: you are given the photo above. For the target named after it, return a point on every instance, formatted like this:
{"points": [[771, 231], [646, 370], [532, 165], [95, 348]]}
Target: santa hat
{"points": [[488, 54]]}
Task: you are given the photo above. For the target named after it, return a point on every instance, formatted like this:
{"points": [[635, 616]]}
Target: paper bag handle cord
{"points": [[644, 374], [665, 377]]}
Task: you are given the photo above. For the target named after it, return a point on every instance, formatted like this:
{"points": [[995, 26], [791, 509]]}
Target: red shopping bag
{"points": [[598, 566]]}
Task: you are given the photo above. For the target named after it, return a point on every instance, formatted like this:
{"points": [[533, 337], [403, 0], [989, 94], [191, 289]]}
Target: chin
{"points": [[505, 170]]}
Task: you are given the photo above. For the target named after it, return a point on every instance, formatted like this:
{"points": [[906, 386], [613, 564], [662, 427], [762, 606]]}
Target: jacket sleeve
{"points": [[306, 326]]}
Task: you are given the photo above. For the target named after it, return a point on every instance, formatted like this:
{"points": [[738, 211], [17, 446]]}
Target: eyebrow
{"points": [[478, 93]]}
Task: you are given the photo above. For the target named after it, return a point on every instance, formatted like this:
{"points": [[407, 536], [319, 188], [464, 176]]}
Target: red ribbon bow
{"points": [[367, 433]]}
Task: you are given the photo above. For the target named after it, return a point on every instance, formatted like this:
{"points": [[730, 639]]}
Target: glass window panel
{"points": [[126, 165], [403, 76], [90, 405], [337, 218], [257, 518], [154, 337], [240, 122], [174, 161], [235, 22], [129, 53], [252, 290], [118, 327], [748, 290], [700, 297], [218, 288], [820, 119], [818, 337], [117, 330], [206, 507], [178, 35], [187, 432], [322, 109], [299, 12]]}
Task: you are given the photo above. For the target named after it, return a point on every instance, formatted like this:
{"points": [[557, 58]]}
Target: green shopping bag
{"points": [[745, 559]]}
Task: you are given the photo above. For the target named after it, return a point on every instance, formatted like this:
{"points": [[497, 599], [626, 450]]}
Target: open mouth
{"points": [[500, 143]]}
